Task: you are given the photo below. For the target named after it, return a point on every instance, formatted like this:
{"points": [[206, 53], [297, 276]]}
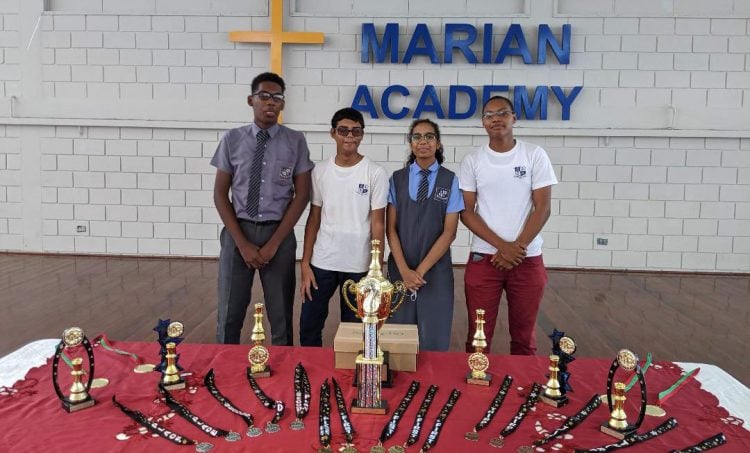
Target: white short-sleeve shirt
{"points": [[503, 183], [346, 196]]}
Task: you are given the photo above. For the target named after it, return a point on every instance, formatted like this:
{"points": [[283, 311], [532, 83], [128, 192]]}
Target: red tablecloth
{"points": [[33, 420]]}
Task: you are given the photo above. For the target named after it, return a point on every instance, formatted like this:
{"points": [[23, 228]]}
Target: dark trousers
{"points": [[524, 288], [315, 311], [236, 284]]}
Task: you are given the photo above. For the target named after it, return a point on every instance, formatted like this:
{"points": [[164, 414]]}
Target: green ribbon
{"points": [[644, 368], [676, 385]]}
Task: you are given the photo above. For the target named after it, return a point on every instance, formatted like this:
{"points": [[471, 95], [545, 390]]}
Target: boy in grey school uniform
{"points": [[267, 168]]}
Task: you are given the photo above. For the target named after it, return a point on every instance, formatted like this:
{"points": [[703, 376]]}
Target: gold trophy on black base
{"points": [[171, 378], [618, 426], [557, 387], [79, 397], [478, 361], [374, 296], [258, 355]]}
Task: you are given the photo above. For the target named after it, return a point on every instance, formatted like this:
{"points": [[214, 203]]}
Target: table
{"points": [[35, 421]]}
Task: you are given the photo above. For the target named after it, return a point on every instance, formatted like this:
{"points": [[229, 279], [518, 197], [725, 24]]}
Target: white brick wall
{"points": [[663, 196]]}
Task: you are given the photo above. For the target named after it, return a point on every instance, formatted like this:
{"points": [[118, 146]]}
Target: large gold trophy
{"points": [[478, 361], [375, 304]]}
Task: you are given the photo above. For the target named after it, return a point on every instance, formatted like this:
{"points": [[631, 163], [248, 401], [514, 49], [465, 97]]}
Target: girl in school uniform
{"points": [[424, 203]]}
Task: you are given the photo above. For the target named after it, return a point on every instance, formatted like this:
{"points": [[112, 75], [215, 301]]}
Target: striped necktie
{"points": [[423, 185], [253, 192]]}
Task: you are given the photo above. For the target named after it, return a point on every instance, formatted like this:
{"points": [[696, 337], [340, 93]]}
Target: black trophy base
{"points": [[76, 406], [179, 385], [619, 434], [486, 381], [260, 374], [381, 409], [386, 374], [559, 401]]}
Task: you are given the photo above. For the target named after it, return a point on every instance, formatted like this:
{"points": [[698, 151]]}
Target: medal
{"points": [[515, 422], [209, 382], [302, 395], [434, 434], [390, 428], [346, 423], [324, 418], [571, 422], [144, 368], [185, 413], [704, 445], [633, 439], [272, 426], [495, 405], [419, 419], [98, 383]]}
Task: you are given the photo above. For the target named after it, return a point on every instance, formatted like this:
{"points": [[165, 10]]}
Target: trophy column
{"points": [[258, 355], [79, 397], [478, 361]]}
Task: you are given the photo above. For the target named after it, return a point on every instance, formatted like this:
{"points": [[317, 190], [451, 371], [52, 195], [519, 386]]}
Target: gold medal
{"points": [[497, 442], [396, 449], [145, 368], [175, 329], [525, 449], [377, 449], [472, 436], [655, 411], [98, 383]]}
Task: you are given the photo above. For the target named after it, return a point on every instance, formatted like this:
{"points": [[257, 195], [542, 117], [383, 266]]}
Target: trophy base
{"points": [[554, 402], [486, 381], [616, 433], [382, 409], [260, 374], [386, 374], [71, 407], [179, 385]]}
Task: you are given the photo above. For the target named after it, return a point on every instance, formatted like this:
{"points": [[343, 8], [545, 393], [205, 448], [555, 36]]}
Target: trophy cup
{"points": [[374, 298], [478, 362], [258, 355], [79, 397], [563, 348], [618, 426], [171, 379]]}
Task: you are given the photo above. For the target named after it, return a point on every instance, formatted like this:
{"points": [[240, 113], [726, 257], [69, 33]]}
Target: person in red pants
{"points": [[507, 188]]}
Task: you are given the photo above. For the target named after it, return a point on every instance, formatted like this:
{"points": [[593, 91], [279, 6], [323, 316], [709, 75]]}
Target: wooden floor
{"points": [[695, 318]]}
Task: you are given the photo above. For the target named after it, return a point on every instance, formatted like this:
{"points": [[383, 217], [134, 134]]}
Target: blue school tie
{"points": [[253, 192], [423, 185]]}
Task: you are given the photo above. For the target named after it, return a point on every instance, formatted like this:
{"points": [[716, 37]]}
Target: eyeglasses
{"points": [[266, 96], [429, 137], [355, 131], [500, 113]]}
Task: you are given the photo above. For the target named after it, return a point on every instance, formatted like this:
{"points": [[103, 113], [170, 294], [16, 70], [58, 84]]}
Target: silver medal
{"points": [[254, 431]]}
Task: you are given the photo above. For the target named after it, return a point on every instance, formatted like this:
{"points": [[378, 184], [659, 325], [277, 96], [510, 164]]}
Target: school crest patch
{"points": [[285, 173], [442, 194], [363, 189], [520, 172]]}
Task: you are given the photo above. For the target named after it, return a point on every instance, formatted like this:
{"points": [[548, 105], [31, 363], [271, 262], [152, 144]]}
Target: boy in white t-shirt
{"points": [[349, 196], [507, 187]]}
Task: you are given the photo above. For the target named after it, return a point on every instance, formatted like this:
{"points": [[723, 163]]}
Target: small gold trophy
{"points": [[258, 355], [171, 379], [478, 362], [552, 394], [618, 426], [374, 296], [79, 397]]}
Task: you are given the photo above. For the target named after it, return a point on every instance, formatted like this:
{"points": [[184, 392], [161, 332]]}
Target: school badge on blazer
{"points": [[442, 194], [363, 189]]}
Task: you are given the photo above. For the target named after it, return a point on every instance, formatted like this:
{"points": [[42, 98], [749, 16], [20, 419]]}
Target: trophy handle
{"points": [[349, 287], [400, 289]]}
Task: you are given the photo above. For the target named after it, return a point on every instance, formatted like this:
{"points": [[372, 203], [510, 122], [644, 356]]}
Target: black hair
{"points": [[494, 98], [267, 77], [347, 113], [439, 152]]}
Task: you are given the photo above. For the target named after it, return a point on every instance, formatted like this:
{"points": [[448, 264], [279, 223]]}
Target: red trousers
{"points": [[524, 287]]}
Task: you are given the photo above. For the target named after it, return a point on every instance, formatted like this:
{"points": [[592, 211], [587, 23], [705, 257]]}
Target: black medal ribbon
{"points": [[390, 428], [515, 422], [324, 419], [634, 439], [704, 445], [497, 402], [432, 438], [346, 423], [572, 422], [185, 413], [153, 426], [265, 400], [210, 383], [419, 419]]}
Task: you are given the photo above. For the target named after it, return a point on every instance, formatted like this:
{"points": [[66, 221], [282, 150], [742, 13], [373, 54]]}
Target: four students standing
{"points": [[503, 198]]}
